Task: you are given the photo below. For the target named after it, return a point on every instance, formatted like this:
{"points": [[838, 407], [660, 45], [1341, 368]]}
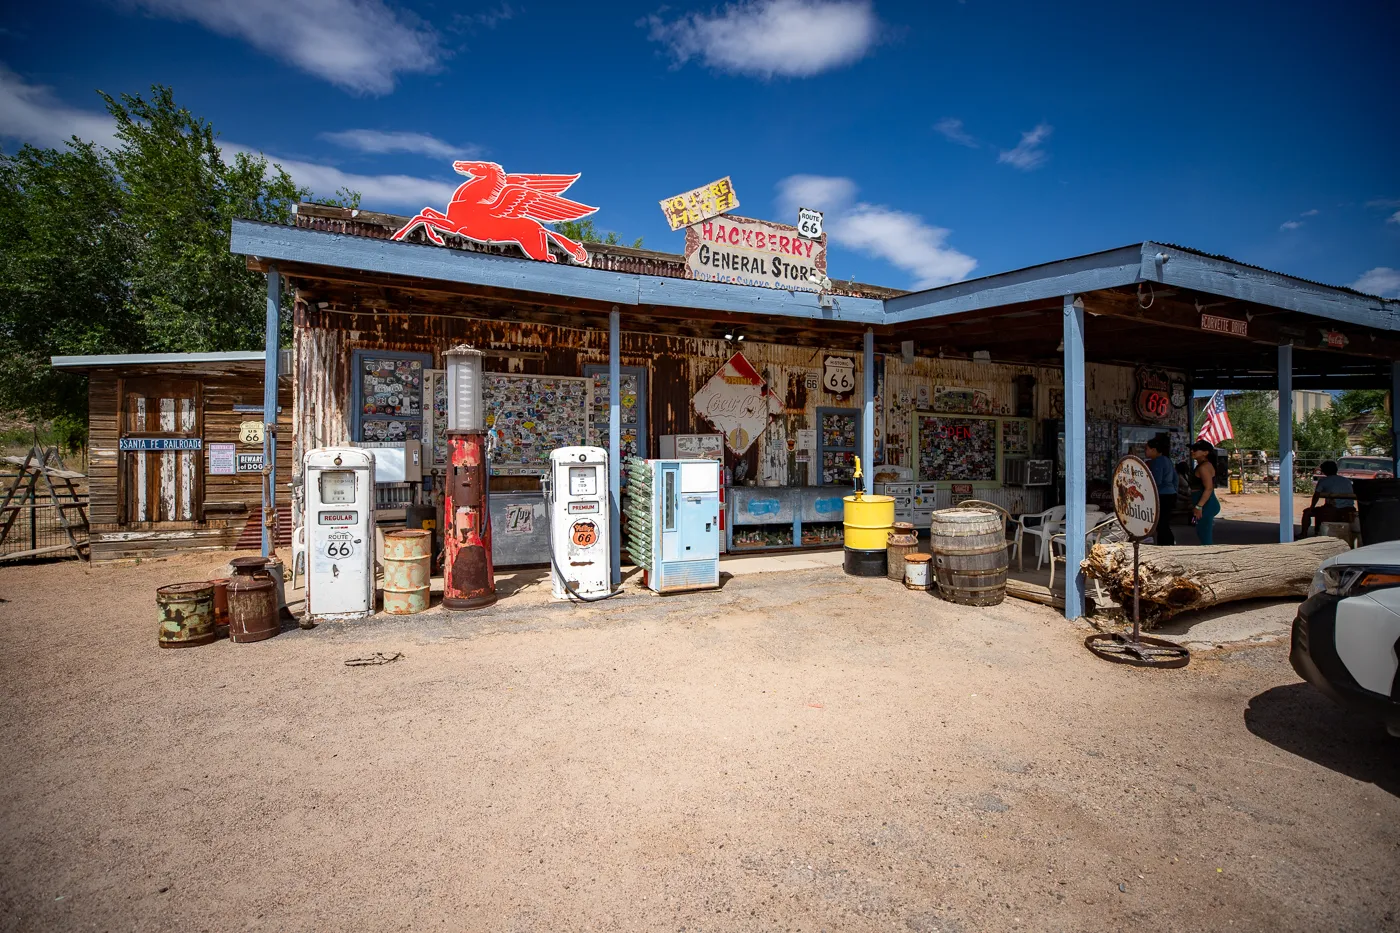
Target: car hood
{"points": [[1385, 554]]}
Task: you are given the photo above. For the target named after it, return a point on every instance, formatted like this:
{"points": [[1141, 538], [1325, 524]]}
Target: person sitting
{"points": [[1332, 490]]}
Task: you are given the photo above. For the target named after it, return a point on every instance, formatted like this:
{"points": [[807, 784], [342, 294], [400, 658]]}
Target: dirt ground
{"points": [[799, 751]]}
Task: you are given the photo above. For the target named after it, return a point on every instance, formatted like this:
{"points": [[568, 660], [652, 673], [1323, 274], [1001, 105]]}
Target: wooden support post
{"points": [[867, 449], [272, 344], [1285, 443], [1076, 466], [615, 441]]}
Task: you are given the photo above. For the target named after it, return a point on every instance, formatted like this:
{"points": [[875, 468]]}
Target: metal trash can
{"points": [[1378, 508]]}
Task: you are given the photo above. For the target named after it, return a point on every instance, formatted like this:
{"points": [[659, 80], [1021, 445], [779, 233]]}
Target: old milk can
{"points": [[902, 540], [185, 612], [252, 604]]}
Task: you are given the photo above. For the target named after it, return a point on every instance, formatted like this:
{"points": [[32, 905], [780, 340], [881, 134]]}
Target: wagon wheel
{"points": [[1145, 652]]}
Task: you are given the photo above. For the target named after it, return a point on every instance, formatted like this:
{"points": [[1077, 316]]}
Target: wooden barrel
{"points": [[902, 541], [969, 556]]}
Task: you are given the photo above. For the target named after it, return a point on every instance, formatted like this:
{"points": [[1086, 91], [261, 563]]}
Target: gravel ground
{"points": [[799, 751]]}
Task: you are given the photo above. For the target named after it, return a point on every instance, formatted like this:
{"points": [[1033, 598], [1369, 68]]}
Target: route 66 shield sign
{"points": [[809, 223]]}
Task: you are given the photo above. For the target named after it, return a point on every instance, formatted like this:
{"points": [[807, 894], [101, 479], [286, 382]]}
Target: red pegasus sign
{"points": [[493, 207]]}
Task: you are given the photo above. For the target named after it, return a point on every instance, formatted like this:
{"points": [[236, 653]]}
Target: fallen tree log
{"points": [[1177, 579]]}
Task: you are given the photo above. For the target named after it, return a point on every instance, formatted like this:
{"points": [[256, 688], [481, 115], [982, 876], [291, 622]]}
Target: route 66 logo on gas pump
{"points": [[839, 374]]}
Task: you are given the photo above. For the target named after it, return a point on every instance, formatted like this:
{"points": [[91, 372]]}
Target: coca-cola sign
{"points": [[738, 402]]}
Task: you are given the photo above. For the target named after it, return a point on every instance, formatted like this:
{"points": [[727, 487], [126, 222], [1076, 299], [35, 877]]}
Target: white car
{"points": [[1346, 637]]}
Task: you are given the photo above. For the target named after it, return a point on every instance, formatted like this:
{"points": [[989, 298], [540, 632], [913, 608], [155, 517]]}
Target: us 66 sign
{"points": [[809, 223]]}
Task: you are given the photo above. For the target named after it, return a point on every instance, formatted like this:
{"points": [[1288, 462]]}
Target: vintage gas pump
{"points": [[339, 524], [576, 497], [468, 579]]}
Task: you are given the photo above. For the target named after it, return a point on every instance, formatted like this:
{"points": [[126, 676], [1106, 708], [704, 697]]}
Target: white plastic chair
{"points": [[1106, 531], [1047, 523], [298, 553]]}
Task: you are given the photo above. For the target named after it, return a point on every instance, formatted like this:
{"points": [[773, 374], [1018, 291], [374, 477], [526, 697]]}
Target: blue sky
{"points": [[945, 140]]}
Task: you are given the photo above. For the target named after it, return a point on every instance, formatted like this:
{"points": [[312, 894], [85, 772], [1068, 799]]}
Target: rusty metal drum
{"points": [[185, 612], [916, 571], [408, 560], [902, 540], [969, 556], [220, 586], [252, 608]]}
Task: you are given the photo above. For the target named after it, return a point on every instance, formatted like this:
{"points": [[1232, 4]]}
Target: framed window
{"points": [[838, 444], [387, 395], [632, 395]]}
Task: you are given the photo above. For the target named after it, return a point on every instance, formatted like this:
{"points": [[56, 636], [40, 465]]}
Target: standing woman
{"points": [[1207, 504], [1164, 472]]}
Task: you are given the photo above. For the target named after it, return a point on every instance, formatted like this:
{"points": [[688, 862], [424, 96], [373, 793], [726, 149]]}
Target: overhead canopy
{"points": [[1150, 302]]}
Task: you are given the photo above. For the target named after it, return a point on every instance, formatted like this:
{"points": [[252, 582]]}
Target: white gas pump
{"points": [[339, 523], [576, 495]]}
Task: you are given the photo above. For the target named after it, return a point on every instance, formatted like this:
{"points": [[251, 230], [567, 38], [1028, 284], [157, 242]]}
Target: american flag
{"points": [[1217, 427]]}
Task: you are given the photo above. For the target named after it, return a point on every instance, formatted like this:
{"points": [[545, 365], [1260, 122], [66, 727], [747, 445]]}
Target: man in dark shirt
{"points": [[1164, 472]]}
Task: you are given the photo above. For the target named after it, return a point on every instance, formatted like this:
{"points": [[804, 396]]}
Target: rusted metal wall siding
{"points": [[1109, 392], [677, 368]]}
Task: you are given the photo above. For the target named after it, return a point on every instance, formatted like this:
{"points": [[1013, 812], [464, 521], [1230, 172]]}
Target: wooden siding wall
{"points": [[227, 501], [677, 366]]}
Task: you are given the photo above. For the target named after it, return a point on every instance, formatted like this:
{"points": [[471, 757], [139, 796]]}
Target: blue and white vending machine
{"points": [[684, 537]]}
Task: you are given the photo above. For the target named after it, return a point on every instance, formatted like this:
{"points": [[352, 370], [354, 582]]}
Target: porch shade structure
{"points": [[1148, 303], [272, 344]]}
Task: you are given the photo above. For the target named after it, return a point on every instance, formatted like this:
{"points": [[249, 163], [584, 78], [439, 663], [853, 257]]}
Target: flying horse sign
{"points": [[493, 207]]}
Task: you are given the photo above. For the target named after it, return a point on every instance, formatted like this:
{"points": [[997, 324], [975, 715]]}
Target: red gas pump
{"points": [[468, 578]]}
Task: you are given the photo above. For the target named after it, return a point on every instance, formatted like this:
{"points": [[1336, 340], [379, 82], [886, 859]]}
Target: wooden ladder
{"points": [[45, 464]]}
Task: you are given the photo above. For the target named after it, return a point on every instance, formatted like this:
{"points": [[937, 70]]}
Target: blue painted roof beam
{"points": [[281, 243], [1147, 262]]}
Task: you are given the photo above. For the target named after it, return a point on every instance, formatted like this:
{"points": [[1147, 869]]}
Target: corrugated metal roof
{"points": [[156, 359], [1248, 265]]}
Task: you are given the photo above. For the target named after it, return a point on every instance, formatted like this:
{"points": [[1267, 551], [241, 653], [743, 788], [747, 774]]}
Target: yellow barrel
{"points": [[407, 568], [868, 522]]}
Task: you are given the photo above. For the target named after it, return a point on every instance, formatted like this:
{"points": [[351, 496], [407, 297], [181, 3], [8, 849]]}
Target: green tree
{"points": [[66, 257], [1255, 420], [1355, 403], [1321, 434], [181, 196], [583, 231]]}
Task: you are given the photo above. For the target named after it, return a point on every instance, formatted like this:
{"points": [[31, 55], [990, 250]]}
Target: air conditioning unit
{"points": [[1019, 472]]}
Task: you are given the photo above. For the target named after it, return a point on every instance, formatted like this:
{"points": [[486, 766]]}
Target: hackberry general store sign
{"points": [[738, 402], [743, 251]]}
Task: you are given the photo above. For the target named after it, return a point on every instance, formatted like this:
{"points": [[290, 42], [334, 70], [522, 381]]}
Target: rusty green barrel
{"points": [[407, 568], [185, 612]]}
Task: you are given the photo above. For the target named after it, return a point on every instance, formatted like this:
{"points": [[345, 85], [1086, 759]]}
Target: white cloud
{"points": [[377, 191], [358, 45], [379, 143], [1312, 213], [1028, 154], [1393, 218], [791, 38], [952, 128], [1382, 280], [33, 114], [902, 239], [1290, 225]]}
